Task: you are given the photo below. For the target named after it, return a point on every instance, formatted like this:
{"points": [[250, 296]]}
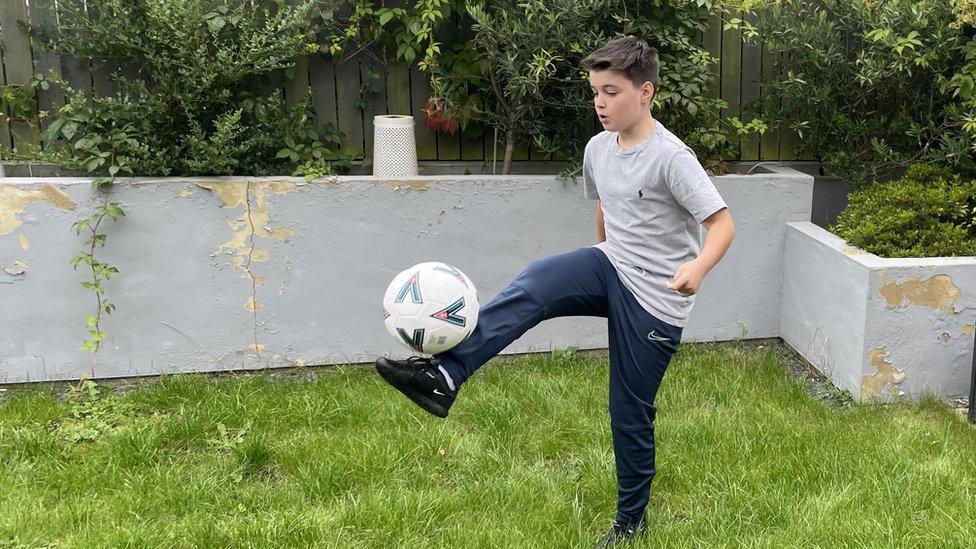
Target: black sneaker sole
{"points": [[389, 374]]}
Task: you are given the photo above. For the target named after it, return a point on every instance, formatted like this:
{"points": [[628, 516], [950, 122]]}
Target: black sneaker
{"points": [[419, 379], [618, 535]]}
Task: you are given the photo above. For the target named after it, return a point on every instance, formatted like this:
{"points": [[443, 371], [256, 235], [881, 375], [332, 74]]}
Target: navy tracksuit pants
{"points": [[585, 283]]}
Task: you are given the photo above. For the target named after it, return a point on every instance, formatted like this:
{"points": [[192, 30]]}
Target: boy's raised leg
{"points": [[569, 284]]}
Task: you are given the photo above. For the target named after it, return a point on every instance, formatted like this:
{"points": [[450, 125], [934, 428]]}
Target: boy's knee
{"points": [[535, 268], [551, 279], [631, 415], [532, 275], [554, 265]]}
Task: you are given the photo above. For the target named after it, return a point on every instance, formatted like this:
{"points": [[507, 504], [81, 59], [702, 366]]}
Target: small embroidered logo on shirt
{"points": [[654, 337]]}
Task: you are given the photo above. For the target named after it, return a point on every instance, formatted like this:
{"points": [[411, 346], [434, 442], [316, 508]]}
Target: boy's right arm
{"points": [[601, 231], [590, 191]]}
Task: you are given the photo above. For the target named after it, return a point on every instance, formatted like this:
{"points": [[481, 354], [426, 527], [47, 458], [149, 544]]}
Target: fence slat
{"points": [[472, 141], [296, 89], [18, 65], [16, 45], [788, 140], [397, 79], [42, 12], [102, 70], [4, 124], [448, 144], [101, 67], [376, 100], [769, 143], [712, 43], [731, 69], [398, 89], [105, 70], [76, 72], [350, 115], [751, 64], [419, 93], [473, 136], [322, 79]]}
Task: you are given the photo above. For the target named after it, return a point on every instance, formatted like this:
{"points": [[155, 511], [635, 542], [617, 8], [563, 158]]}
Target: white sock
{"points": [[447, 377]]}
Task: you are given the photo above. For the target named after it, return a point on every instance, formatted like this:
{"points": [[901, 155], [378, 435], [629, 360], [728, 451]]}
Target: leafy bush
{"points": [[523, 72], [929, 212], [873, 87], [192, 102], [520, 73]]}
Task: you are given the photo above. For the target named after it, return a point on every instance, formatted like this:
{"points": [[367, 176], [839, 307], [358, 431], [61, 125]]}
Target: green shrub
{"points": [[194, 95], [929, 212], [873, 87]]}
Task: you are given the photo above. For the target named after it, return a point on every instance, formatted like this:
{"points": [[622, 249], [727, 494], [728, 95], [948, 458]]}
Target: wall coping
{"points": [[778, 170], [869, 260]]}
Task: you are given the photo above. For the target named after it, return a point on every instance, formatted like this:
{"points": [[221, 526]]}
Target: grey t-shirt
{"points": [[654, 197]]}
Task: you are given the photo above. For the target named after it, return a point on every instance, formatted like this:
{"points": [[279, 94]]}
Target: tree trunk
{"points": [[509, 150]]}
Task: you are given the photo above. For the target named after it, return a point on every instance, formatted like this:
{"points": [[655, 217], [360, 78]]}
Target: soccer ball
{"points": [[430, 307]]}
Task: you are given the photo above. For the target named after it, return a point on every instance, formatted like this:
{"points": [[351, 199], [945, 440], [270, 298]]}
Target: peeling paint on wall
{"points": [[13, 199], [408, 185], [853, 251], [231, 359], [259, 254], [885, 381], [254, 222], [184, 193], [24, 243], [295, 361], [937, 292], [966, 330], [19, 268], [255, 216]]}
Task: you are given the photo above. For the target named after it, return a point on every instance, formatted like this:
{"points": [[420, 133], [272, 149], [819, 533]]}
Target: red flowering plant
{"points": [[437, 118]]}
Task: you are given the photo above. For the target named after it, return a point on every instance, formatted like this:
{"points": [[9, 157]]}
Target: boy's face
{"points": [[618, 102]]}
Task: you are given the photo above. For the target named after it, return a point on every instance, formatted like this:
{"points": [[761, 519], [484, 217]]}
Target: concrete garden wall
{"points": [[245, 273], [880, 328]]}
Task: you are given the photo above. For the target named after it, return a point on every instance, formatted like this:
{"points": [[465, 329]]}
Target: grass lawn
{"points": [[335, 457]]}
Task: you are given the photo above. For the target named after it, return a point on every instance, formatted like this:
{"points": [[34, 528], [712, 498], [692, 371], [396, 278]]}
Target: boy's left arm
{"points": [[688, 278]]}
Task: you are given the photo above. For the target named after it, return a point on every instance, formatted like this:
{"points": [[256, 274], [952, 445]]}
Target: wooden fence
{"points": [[399, 89]]}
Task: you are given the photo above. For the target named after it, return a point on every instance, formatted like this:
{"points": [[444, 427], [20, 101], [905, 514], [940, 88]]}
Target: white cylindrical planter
{"points": [[394, 145]]}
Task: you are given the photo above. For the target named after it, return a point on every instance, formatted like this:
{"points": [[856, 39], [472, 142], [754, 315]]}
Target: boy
{"points": [[642, 275]]}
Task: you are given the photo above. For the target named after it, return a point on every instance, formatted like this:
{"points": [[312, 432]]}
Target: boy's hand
{"points": [[688, 278]]}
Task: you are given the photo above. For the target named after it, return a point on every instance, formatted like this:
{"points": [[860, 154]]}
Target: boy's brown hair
{"points": [[629, 56]]}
